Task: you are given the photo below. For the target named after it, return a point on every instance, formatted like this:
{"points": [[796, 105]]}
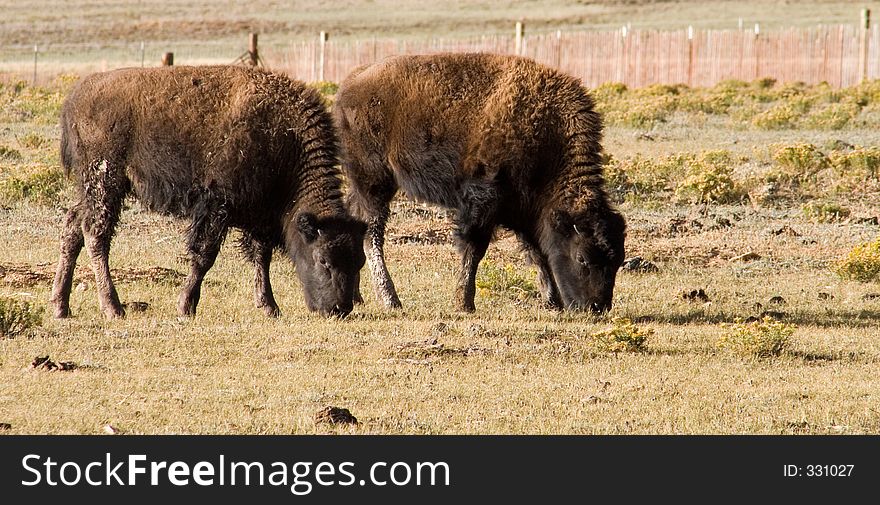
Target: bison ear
{"points": [[307, 224]]}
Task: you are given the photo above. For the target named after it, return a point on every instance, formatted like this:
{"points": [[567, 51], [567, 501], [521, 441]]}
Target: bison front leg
{"points": [[546, 281], [476, 222], [374, 247], [205, 238], [472, 252], [260, 255], [71, 244]]}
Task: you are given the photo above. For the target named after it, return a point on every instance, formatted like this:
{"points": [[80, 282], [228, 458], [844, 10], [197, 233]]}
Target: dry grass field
{"points": [[747, 197], [758, 226]]}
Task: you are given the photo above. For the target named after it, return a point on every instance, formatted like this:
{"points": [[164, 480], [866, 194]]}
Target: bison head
{"points": [[328, 254], [585, 251]]}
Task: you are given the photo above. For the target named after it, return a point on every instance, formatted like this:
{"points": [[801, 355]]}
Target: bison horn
{"points": [[576, 230]]}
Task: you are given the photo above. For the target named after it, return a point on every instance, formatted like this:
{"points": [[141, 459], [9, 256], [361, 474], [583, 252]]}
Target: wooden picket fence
{"points": [[841, 55]]}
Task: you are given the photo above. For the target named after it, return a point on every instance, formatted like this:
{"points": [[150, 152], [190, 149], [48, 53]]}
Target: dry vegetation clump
{"points": [[40, 185], [757, 339], [709, 179], [16, 317], [506, 281], [862, 263], [762, 104], [622, 336], [818, 211]]}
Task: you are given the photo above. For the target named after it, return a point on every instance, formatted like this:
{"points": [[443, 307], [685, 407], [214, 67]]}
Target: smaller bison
{"points": [[225, 147], [501, 140]]}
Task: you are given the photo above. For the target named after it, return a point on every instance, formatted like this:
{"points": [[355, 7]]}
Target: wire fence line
{"points": [[841, 55]]}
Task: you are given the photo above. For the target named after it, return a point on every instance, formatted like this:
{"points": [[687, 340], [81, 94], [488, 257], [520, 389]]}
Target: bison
{"points": [[501, 140], [225, 147]]}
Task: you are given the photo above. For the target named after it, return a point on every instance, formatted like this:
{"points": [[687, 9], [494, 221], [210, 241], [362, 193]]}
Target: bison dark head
{"points": [[585, 251], [328, 254]]}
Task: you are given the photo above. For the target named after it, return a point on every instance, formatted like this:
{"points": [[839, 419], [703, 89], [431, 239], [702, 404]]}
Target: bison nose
{"points": [[340, 310]]}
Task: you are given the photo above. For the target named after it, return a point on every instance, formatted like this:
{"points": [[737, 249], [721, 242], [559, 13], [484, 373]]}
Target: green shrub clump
{"points": [[507, 281], [861, 264], [622, 336], [17, 317], [757, 339]]}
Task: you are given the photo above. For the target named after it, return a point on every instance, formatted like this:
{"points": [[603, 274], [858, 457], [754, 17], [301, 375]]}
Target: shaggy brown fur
{"points": [[224, 147], [504, 141]]}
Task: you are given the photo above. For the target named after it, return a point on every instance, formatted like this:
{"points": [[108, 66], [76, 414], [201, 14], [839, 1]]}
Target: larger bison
{"points": [[225, 147], [503, 141]]}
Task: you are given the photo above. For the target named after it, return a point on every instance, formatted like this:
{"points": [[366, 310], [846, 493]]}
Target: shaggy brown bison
{"points": [[501, 140], [226, 147]]}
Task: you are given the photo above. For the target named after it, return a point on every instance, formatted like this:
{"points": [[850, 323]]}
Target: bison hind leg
{"points": [[71, 244], [259, 253], [104, 189]]}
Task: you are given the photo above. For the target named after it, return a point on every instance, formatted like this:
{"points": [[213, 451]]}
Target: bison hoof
{"points": [[114, 313], [393, 304], [357, 299], [61, 312], [271, 311]]}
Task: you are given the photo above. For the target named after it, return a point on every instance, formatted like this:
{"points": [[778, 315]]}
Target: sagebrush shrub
{"points": [[506, 280], [16, 317], [757, 339], [862, 263], [622, 336]]}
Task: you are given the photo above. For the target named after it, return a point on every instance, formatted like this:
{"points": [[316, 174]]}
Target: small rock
{"points": [[110, 429], [777, 300], [721, 223], [870, 296], [872, 220], [334, 415], [638, 264], [82, 286], [749, 256], [758, 307], [825, 296], [695, 295], [5, 426], [591, 399], [808, 241]]}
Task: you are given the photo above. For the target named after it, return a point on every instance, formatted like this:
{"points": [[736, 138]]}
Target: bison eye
{"points": [[324, 263], [580, 259]]}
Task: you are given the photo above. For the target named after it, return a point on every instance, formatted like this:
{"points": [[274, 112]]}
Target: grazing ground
{"points": [[723, 197]]}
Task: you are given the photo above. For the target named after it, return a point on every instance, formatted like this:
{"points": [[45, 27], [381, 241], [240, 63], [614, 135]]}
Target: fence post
{"points": [[558, 48], [518, 41], [252, 50], [757, 51], [864, 26], [690, 56], [35, 65], [322, 41], [167, 59], [142, 54]]}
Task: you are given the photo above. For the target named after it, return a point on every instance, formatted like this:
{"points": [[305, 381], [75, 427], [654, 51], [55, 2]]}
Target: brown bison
{"points": [[225, 147], [501, 140]]}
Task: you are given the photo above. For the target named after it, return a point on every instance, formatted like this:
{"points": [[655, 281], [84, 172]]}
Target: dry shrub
{"points": [[622, 336], [505, 281], [796, 165], [856, 170], [710, 179], [43, 186], [861, 264], [16, 317], [825, 212], [757, 339]]}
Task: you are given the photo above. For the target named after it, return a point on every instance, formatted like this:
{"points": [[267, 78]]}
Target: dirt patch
{"points": [[19, 275], [431, 236], [428, 351], [695, 295]]}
